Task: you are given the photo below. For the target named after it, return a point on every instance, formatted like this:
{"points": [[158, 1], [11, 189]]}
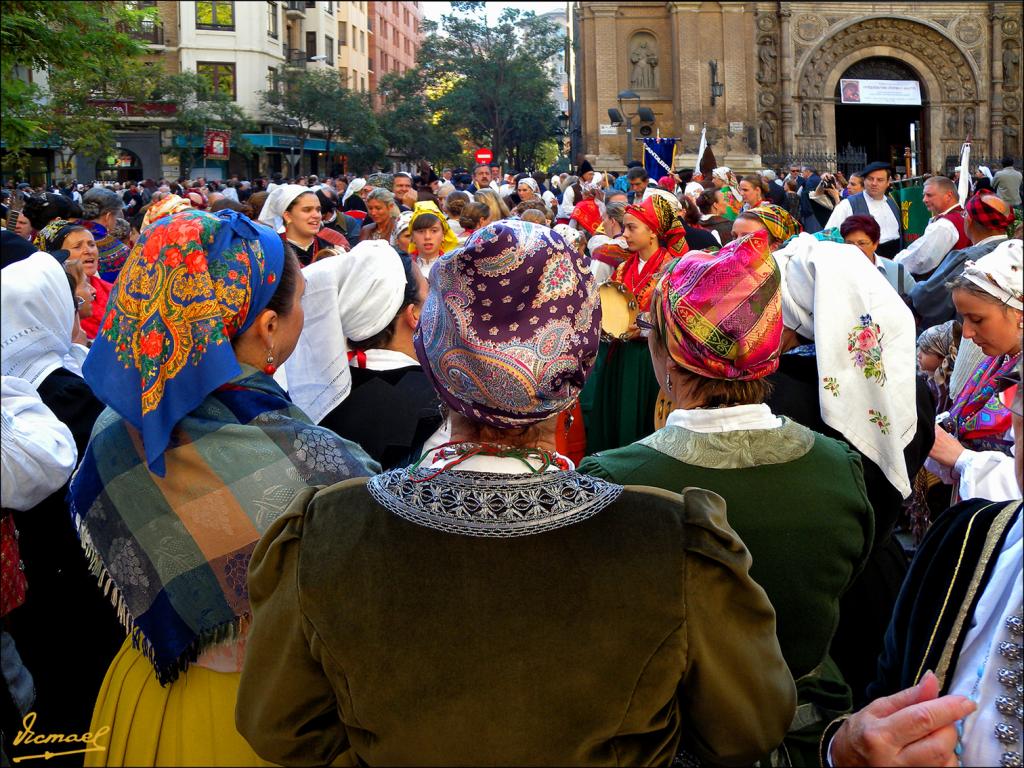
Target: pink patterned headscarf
{"points": [[720, 316]]}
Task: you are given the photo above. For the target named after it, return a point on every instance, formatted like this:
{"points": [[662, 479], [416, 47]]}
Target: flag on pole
{"points": [[700, 149], [659, 157], [964, 187]]}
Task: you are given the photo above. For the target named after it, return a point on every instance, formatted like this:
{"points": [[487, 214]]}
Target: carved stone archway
{"points": [[948, 76]]}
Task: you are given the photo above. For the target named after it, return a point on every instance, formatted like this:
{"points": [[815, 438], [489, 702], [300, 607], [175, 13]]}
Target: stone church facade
{"points": [[779, 65]]}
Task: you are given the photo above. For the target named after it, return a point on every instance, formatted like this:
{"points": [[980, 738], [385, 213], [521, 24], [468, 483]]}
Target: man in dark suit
{"points": [[807, 218]]}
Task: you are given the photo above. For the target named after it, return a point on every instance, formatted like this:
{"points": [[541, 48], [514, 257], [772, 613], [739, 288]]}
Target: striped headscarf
{"points": [[720, 316], [777, 221]]}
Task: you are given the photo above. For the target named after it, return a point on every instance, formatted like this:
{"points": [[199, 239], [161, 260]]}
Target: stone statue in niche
{"points": [[1011, 62], [644, 60], [767, 55], [969, 121], [767, 133], [1010, 136], [816, 118], [805, 125], [952, 121]]}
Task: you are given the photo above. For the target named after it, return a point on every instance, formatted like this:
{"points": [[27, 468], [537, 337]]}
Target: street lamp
{"points": [[627, 97], [563, 124], [717, 88]]}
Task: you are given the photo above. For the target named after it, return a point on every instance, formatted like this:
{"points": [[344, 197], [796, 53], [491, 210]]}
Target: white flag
{"points": [[964, 187], [701, 148]]}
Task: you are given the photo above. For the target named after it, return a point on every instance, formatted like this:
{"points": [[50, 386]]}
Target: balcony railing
{"points": [[295, 57], [149, 31], [295, 10]]}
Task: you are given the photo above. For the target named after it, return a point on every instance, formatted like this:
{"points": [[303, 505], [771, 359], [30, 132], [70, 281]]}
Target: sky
{"points": [[435, 10]]}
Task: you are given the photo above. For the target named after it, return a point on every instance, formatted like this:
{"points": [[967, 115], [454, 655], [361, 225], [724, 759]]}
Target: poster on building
{"points": [[890, 92], [217, 145]]}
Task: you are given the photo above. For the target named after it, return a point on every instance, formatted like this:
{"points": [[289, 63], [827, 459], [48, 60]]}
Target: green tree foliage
{"points": [[490, 80], [305, 100], [200, 106], [409, 122], [89, 60]]}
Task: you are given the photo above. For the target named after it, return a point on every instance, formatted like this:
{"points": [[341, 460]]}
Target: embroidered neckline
{"points": [[492, 505], [736, 449]]}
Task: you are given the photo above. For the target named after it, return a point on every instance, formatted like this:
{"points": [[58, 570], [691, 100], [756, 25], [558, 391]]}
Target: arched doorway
{"points": [[121, 165], [883, 130]]}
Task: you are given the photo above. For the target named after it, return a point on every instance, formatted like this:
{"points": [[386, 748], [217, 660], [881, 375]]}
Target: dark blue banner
{"points": [[659, 157]]}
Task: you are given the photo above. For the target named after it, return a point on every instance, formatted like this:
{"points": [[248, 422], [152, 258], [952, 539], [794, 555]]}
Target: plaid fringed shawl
{"points": [[173, 551]]}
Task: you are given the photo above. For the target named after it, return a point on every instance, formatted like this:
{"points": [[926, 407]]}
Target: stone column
{"points": [[604, 72], [995, 53], [786, 64]]}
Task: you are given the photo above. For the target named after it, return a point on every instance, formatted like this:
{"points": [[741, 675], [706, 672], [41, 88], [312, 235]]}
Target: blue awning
{"points": [[272, 141]]}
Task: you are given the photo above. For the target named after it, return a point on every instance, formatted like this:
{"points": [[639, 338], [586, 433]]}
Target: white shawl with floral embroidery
{"points": [[865, 347]]}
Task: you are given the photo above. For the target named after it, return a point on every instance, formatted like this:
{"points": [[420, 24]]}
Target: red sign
{"points": [[217, 145], [483, 156]]}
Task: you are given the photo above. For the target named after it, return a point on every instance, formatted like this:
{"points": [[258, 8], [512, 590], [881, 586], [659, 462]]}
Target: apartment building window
{"points": [[362, 41], [383, 62], [272, 19], [355, 38], [405, 16], [329, 49], [310, 45], [220, 75], [342, 35], [362, 83], [330, 7], [394, 39], [215, 14], [311, 3], [272, 81]]}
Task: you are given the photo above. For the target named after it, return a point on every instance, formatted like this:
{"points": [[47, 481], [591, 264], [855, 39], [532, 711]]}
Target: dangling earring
{"points": [[269, 368], [568, 423], [668, 382]]}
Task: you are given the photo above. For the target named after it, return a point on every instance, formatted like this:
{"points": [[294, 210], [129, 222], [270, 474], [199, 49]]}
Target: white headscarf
{"points": [[530, 182], [1000, 273], [277, 201], [352, 296], [693, 190], [355, 186], [37, 315], [722, 172], [401, 224], [986, 170], [865, 347]]}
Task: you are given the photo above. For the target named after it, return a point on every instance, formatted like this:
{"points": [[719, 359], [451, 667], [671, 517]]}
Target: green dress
{"points": [[620, 395], [797, 500]]}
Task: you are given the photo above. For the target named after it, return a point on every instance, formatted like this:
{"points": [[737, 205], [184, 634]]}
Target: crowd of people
{"points": [[486, 468]]}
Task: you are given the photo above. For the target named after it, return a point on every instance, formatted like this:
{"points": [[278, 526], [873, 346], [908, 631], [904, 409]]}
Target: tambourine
{"points": [[661, 410], [619, 309]]}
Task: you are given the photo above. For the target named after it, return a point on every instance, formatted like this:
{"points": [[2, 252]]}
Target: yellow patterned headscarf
{"points": [[449, 242], [777, 221]]}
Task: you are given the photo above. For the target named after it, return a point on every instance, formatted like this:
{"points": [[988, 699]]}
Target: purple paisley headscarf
{"points": [[511, 326]]}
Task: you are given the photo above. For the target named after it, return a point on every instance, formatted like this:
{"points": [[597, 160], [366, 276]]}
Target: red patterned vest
{"points": [[956, 218]]}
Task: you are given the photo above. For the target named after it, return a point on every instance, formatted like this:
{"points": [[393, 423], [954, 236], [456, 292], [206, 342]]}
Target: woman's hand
{"points": [[913, 727], [947, 449]]}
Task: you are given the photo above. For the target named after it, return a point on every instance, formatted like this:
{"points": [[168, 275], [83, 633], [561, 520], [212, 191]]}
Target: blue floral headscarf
{"points": [[192, 283]]}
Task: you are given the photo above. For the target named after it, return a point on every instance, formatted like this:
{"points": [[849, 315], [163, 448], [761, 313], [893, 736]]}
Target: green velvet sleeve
{"points": [[286, 708], [738, 697]]}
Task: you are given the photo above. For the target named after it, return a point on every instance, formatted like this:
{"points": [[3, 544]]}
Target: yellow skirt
{"points": [[189, 722]]}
